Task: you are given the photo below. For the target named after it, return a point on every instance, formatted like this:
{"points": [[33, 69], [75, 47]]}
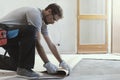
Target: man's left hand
{"points": [[65, 66]]}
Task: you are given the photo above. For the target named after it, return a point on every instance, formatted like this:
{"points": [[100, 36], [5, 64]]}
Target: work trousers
{"points": [[21, 49]]}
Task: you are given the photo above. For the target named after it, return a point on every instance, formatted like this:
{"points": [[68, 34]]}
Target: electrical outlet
{"points": [[58, 44]]}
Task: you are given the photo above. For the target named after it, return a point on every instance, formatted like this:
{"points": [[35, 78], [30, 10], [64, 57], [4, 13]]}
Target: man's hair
{"points": [[56, 9]]}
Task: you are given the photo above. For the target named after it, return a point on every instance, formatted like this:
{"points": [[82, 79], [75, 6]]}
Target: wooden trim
{"points": [[92, 17], [92, 48], [92, 52]]}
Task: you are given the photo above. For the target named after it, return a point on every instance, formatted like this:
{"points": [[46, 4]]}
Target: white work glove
{"points": [[51, 68], [65, 66]]}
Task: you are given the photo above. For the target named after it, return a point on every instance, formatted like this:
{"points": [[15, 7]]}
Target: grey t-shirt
{"points": [[26, 16]]}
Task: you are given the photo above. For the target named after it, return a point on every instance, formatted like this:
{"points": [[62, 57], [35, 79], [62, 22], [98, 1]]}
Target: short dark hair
{"points": [[56, 9]]}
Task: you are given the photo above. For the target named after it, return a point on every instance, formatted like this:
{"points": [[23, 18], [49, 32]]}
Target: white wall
{"points": [[109, 24], [63, 32]]}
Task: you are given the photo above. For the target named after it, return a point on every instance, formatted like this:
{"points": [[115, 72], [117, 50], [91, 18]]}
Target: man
{"points": [[31, 23]]}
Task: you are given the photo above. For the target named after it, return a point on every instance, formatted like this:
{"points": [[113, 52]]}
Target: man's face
{"points": [[49, 18]]}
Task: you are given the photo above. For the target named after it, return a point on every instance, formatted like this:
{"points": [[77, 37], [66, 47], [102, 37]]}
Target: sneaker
{"points": [[51, 68], [28, 74]]}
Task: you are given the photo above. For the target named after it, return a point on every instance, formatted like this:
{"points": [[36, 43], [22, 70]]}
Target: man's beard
{"points": [[45, 21]]}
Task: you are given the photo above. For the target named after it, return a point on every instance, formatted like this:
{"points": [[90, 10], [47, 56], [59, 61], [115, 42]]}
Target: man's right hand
{"points": [[51, 68]]}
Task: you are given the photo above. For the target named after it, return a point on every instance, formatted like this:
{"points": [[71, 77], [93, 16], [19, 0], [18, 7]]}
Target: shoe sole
{"points": [[25, 77]]}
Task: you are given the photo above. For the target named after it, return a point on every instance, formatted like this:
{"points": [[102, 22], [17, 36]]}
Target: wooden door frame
{"points": [[95, 48]]}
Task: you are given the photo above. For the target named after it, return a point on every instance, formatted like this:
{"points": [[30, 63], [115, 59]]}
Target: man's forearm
{"points": [[55, 52], [41, 53]]}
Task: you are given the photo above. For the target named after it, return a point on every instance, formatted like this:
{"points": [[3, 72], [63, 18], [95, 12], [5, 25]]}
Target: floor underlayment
{"points": [[96, 69], [71, 59]]}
